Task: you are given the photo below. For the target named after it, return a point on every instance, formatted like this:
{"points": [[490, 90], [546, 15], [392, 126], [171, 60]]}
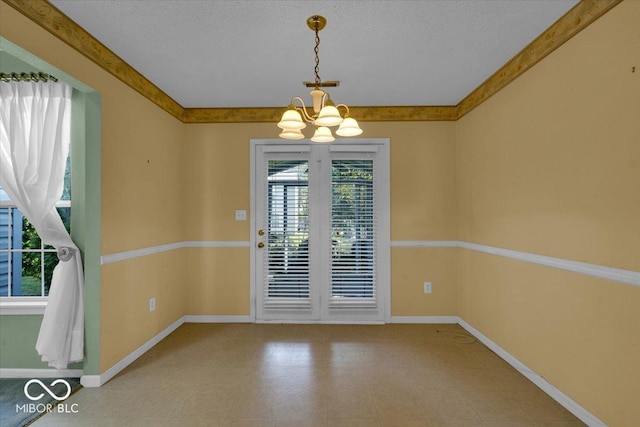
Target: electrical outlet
{"points": [[152, 304], [427, 287]]}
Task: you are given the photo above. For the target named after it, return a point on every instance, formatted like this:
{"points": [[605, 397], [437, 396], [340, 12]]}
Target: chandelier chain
{"points": [[316, 50]]}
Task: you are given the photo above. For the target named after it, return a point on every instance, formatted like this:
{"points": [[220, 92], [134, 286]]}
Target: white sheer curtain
{"points": [[35, 131]]}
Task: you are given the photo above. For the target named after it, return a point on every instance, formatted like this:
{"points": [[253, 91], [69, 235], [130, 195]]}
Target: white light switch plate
{"points": [[241, 215]]}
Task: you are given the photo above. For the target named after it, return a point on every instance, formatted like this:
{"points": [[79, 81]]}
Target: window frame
{"points": [[8, 204]]}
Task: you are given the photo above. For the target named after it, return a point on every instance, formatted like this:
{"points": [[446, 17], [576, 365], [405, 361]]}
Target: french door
{"points": [[321, 231]]}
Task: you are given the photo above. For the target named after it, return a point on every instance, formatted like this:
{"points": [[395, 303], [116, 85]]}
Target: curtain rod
{"points": [[26, 77]]}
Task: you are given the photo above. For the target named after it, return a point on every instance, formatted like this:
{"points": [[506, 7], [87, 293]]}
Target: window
{"points": [[26, 265]]}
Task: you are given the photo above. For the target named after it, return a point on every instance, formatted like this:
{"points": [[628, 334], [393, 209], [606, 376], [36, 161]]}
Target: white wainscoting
{"points": [[627, 277], [614, 274], [603, 272], [136, 253]]}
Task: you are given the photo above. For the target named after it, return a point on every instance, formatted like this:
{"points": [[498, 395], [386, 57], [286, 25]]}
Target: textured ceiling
{"points": [[257, 53]]}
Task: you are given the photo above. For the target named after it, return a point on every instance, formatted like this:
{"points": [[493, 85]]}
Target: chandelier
{"points": [[325, 113]]}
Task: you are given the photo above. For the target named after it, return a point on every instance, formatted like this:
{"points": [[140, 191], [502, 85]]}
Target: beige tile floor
{"points": [[316, 375]]}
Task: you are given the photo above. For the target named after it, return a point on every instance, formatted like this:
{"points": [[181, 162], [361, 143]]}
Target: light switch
{"points": [[241, 215]]}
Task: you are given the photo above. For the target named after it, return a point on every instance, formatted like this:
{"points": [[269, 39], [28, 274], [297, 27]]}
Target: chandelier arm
{"points": [[302, 110], [345, 107]]}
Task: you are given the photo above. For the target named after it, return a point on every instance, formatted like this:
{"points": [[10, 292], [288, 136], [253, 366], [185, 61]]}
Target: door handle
{"points": [[261, 245], [260, 232]]}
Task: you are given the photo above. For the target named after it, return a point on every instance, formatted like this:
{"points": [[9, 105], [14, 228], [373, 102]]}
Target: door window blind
{"points": [[353, 225], [286, 266]]}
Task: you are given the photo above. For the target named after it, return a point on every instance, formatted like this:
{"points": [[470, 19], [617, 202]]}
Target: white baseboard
{"points": [[424, 319], [217, 319], [98, 380], [40, 373], [319, 322], [564, 400]]}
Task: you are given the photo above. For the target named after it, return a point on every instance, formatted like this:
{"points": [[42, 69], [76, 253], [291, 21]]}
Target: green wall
{"points": [[18, 333]]}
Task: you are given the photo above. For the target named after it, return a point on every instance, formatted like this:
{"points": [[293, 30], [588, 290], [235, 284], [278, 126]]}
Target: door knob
{"points": [[261, 245], [260, 232]]}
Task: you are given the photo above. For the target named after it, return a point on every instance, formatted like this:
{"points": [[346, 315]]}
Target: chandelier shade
{"points": [[322, 134], [329, 116], [291, 119], [349, 127], [291, 134], [325, 113]]}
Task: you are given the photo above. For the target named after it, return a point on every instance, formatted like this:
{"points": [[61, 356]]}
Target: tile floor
{"points": [[316, 375]]}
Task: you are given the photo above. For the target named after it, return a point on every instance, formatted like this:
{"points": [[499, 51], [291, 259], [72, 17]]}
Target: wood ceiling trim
{"points": [[60, 25], [571, 23], [233, 115], [403, 113], [57, 23], [362, 114]]}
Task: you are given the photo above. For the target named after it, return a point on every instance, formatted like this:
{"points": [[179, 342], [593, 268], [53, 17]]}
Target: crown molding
{"points": [[364, 114], [571, 23], [404, 113], [233, 115], [60, 25], [57, 23]]}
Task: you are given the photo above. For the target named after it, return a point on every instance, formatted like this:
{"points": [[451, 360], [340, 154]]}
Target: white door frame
{"points": [[384, 232]]}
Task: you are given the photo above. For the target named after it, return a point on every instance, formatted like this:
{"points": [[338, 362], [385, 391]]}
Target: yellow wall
{"points": [[423, 203], [410, 268], [218, 280], [551, 165], [141, 183], [217, 175], [127, 286]]}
